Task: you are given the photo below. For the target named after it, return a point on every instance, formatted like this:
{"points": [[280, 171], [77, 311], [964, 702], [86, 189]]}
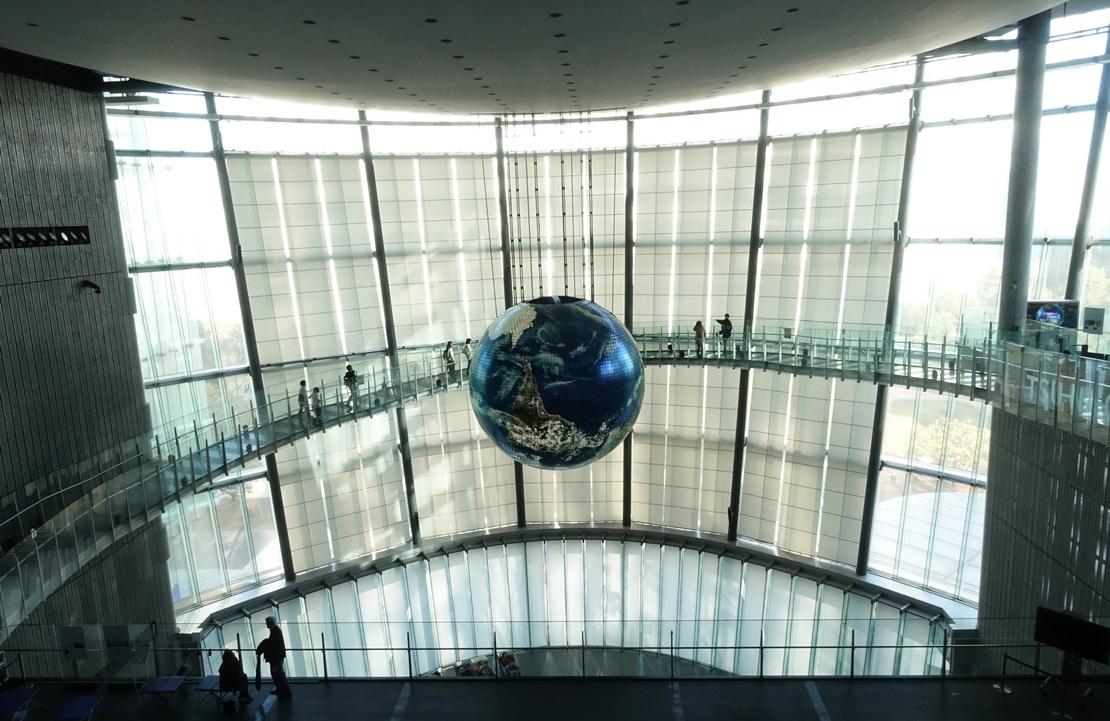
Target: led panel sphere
{"points": [[556, 382]]}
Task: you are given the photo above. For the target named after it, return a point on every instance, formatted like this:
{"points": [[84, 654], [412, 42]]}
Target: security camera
{"points": [[90, 284]]}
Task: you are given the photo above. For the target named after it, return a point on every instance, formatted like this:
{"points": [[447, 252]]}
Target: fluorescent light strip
{"points": [[666, 448], [326, 222], [547, 224], [459, 238], [701, 440], [587, 208], [763, 230], [361, 475], [712, 234], [288, 259], [674, 240], [313, 446], [423, 239]]}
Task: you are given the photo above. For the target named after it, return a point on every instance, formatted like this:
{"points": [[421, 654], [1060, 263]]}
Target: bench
{"points": [[17, 701], [163, 688]]}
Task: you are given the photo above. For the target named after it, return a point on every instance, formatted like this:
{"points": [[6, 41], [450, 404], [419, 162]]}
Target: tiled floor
{"points": [[610, 699]]}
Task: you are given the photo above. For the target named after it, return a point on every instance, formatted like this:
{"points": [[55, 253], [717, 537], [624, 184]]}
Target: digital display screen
{"points": [[1058, 313]]}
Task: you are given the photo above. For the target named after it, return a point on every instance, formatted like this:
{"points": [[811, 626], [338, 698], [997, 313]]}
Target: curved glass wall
{"points": [[716, 611], [834, 174]]}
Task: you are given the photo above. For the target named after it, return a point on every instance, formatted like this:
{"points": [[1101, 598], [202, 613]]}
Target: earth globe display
{"points": [[556, 382]]}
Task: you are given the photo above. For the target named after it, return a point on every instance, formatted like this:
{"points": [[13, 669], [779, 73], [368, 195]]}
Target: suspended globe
{"points": [[556, 382]]}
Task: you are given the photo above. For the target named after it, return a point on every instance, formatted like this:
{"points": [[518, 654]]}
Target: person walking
{"points": [[272, 649], [302, 401], [449, 361], [468, 353], [350, 380], [316, 406], [699, 337]]}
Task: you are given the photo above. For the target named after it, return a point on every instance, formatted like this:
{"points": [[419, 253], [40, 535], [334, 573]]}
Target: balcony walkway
{"points": [[1051, 388]]}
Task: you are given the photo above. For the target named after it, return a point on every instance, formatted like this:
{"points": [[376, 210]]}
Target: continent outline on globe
{"points": [[556, 382]]}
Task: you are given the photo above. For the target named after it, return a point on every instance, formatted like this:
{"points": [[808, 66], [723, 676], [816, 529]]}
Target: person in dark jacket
{"points": [[273, 650], [232, 677]]}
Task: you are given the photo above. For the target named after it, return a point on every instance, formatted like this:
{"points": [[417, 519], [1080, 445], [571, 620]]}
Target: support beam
{"points": [[894, 290], [1086, 200], [629, 266], [1017, 247], [403, 446], [249, 339], [507, 285], [755, 244]]}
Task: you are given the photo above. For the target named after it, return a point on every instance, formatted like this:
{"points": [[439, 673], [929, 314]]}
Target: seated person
{"points": [[232, 677]]}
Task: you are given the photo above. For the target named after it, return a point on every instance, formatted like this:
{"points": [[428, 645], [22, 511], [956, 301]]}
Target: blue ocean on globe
{"points": [[556, 382]]}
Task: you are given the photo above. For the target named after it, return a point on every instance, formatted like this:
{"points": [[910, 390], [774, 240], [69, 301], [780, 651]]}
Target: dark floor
{"points": [[610, 699]]}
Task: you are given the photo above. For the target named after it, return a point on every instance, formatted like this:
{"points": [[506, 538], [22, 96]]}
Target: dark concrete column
{"points": [[1086, 200], [1017, 248], [755, 243], [629, 249], [249, 339], [878, 424], [390, 328], [507, 284]]}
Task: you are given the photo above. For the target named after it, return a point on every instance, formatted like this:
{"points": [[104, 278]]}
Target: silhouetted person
{"points": [[273, 650], [449, 361], [232, 677]]}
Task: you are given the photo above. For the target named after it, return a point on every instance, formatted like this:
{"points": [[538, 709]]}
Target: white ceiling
{"points": [[491, 56]]}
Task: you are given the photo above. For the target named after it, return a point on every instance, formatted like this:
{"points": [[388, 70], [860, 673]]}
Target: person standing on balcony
{"points": [[699, 337], [726, 332], [449, 361], [272, 649], [316, 406], [350, 380], [302, 401]]}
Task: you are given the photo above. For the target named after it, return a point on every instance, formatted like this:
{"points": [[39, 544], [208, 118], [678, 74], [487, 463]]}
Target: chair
{"points": [[79, 709], [210, 689], [17, 701]]}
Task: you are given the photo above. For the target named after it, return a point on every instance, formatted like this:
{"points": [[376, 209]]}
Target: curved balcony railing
{"points": [[82, 509]]}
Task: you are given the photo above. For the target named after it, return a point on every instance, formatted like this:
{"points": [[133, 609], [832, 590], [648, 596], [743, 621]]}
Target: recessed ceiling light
{"points": [[309, 22], [763, 45], [658, 67], [566, 65], [675, 25], [401, 87], [683, 2], [775, 30], [458, 57], [319, 86], [668, 42], [221, 37], [334, 42], [661, 57], [445, 40], [355, 57], [741, 67], [300, 78], [792, 10], [560, 35], [477, 78], [388, 80], [430, 20], [188, 19], [654, 76], [372, 70], [555, 15], [253, 55], [564, 51], [485, 87], [278, 67], [32, 25]]}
